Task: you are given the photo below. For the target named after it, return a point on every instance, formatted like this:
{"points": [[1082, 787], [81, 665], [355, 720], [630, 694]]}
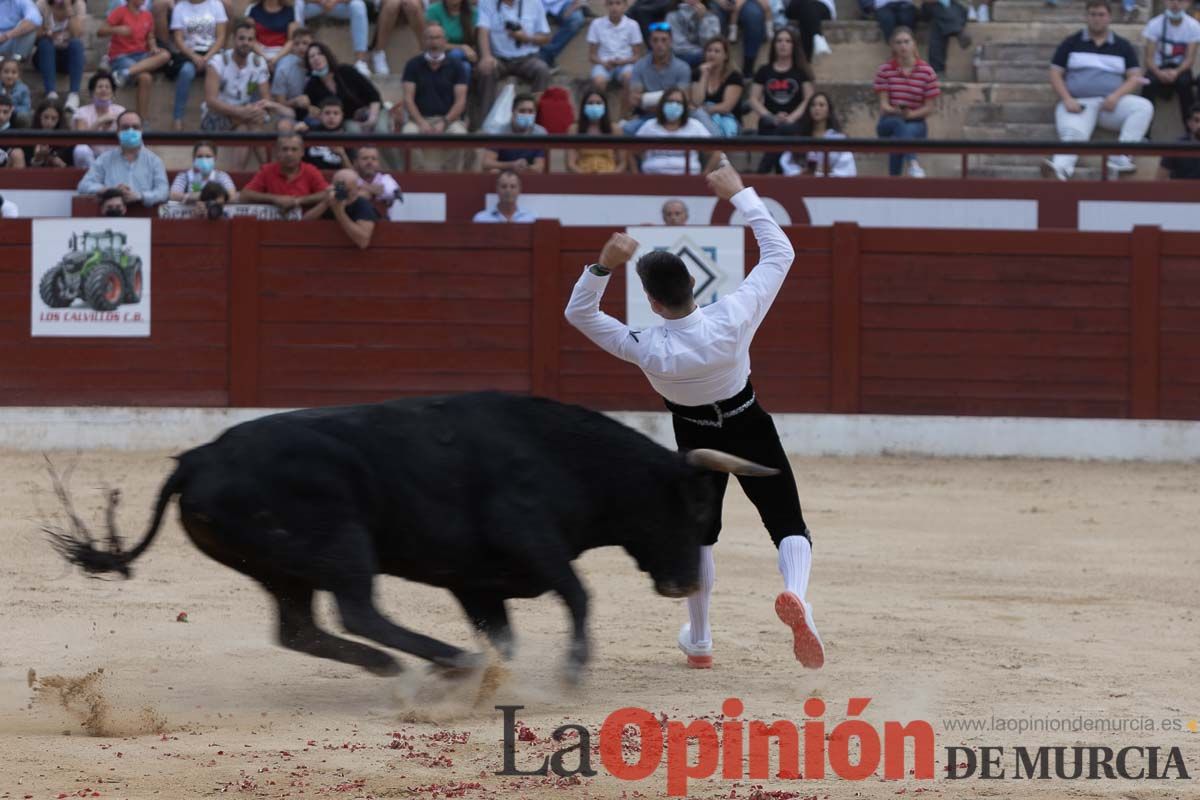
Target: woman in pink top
{"points": [[99, 115], [907, 87]]}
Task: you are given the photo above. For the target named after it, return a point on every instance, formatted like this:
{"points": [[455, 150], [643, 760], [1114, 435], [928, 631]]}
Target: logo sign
{"points": [[714, 256], [91, 277]]}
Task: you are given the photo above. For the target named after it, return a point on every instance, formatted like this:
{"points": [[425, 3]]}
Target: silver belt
{"points": [[721, 415]]}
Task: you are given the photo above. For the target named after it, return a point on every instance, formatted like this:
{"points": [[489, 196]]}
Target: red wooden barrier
{"points": [[1055, 323]]}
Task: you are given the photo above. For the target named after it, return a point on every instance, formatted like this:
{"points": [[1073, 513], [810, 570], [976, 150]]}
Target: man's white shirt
{"points": [[704, 357]]}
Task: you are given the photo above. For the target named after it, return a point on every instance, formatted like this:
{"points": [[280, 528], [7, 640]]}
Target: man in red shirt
{"points": [[287, 182], [133, 53]]}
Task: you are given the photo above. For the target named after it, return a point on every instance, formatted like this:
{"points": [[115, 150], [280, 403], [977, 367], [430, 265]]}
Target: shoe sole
{"points": [[806, 644]]}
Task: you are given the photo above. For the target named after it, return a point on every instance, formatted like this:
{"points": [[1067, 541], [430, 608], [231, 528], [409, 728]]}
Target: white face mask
{"points": [[435, 58]]}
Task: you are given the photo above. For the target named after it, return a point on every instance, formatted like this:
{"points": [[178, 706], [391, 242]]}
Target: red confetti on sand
{"points": [[182, 617]]}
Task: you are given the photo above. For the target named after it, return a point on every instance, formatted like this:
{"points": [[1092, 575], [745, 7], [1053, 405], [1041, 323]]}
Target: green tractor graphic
{"points": [[100, 268]]}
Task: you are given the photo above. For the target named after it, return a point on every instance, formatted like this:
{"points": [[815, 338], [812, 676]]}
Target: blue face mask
{"points": [[130, 138], [523, 122], [204, 164], [673, 111], [321, 73], [593, 111]]}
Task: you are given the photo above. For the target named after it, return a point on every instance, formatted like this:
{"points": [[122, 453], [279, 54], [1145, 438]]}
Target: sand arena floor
{"points": [[945, 591]]}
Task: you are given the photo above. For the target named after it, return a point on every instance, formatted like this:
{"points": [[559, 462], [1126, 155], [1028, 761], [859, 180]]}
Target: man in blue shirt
{"points": [[132, 168], [20, 22], [508, 189]]}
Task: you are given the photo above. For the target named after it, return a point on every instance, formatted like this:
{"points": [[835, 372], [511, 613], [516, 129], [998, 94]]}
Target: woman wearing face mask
{"points": [[672, 121], [819, 122], [719, 88], [49, 116], [594, 120], [360, 99], [187, 185], [519, 159], [99, 115]]}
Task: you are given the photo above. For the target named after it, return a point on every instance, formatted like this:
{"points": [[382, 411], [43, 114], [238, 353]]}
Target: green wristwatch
{"points": [[599, 269]]}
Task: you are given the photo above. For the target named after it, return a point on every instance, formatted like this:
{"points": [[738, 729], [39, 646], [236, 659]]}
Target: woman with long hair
{"points": [[780, 92], [907, 87], [99, 115], [49, 116], [360, 99], [719, 88], [672, 120], [820, 122], [457, 18], [594, 119]]}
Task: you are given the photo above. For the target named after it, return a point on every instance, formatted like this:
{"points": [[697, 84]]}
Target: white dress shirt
{"points": [[704, 357]]}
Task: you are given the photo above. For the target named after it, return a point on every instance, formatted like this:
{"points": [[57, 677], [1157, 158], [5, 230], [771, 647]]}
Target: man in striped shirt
{"points": [[1096, 76]]}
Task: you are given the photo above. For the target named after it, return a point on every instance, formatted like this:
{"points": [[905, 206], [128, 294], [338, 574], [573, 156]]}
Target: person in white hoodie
{"points": [[820, 122]]}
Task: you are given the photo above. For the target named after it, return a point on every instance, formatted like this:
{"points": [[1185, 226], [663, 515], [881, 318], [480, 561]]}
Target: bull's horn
{"points": [[724, 462]]}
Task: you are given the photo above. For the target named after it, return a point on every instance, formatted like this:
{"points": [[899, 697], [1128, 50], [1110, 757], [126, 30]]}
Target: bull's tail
{"points": [[77, 544]]}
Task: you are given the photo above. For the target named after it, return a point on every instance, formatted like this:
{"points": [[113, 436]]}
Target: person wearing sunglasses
{"points": [[134, 170]]}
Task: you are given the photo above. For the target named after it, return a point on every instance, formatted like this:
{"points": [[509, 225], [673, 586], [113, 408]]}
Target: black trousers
{"points": [[751, 435], [808, 16], [1183, 88]]}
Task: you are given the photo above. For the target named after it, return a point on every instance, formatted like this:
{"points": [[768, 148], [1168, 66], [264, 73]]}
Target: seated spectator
{"points": [[274, 21], [458, 19], [9, 209], [780, 92], [390, 12], [510, 33], [19, 25], [907, 87], [287, 182], [892, 14], [356, 12], [614, 46], [808, 15], [112, 203], [60, 46], [691, 26], [347, 205], [360, 99], [49, 116], [569, 17], [946, 19], [719, 87], [10, 157], [17, 91], [188, 185], [291, 74], [526, 159], [653, 74], [99, 115], [374, 184], [508, 194], [820, 122], [435, 98], [595, 120], [133, 53], [328, 155], [672, 121], [752, 20], [1095, 74], [235, 87], [675, 212], [1171, 40], [132, 168], [1182, 167], [198, 28]]}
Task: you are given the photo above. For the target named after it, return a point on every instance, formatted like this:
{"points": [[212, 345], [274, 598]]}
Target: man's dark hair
{"points": [[5, 100], [521, 98], [301, 31], [125, 114], [100, 75], [213, 191], [1090, 4], [665, 278], [283, 137], [243, 23], [109, 194]]}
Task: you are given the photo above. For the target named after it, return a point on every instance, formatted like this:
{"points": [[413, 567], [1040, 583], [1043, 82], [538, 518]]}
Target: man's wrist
{"points": [[599, 270]]}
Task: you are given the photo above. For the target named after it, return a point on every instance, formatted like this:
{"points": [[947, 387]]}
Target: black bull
{"points": [[490, 496]]}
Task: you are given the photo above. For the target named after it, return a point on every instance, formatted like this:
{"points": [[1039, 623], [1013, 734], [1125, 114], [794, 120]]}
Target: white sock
{"points": [[698, 601], [795, 561]]}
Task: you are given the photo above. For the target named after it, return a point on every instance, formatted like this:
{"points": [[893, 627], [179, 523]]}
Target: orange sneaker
{"points": [[806, 642], [698, 656]]}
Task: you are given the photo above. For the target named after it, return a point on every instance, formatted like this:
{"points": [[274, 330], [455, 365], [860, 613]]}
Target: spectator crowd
{"points": [[658, 69]]}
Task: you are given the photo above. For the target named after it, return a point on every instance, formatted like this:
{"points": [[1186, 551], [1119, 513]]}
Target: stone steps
{"points": [[992, 113], [1011, 132], [1011, 72]]}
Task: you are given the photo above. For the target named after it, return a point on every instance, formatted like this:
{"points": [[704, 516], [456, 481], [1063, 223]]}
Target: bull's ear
{"points": [[724, 462]]}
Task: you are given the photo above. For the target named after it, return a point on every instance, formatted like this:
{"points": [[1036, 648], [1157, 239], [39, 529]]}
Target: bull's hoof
{"points": [[458, 666]]}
